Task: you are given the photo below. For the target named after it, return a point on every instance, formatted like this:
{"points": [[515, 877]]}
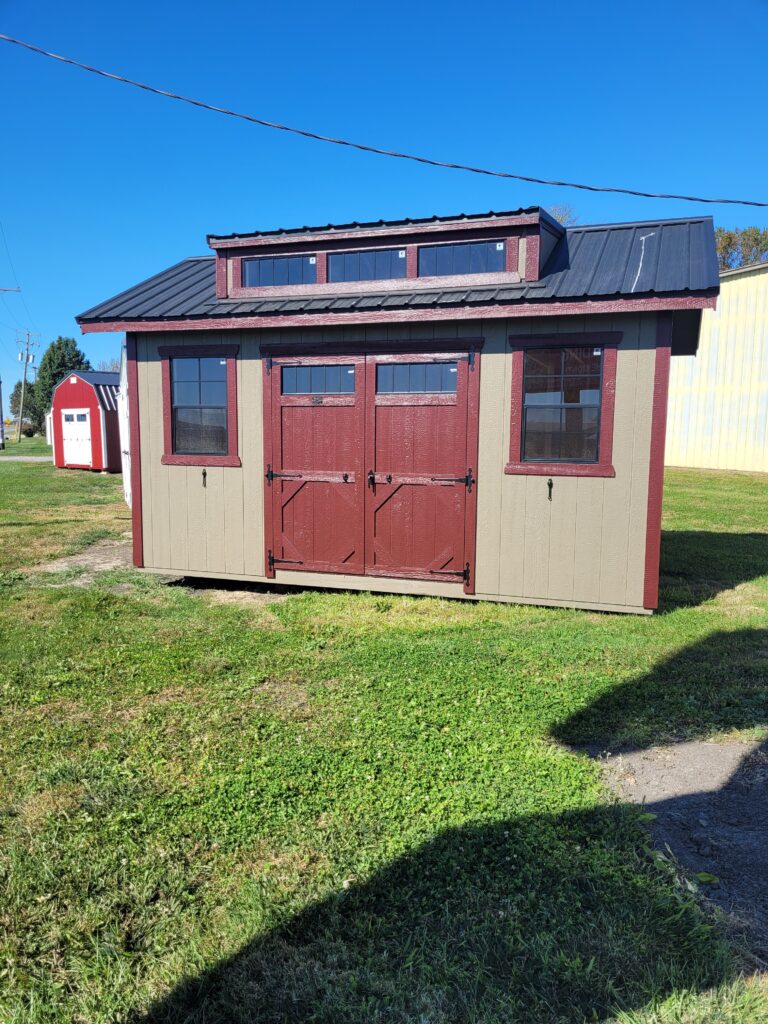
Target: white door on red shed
{"points": [[76, 431]]}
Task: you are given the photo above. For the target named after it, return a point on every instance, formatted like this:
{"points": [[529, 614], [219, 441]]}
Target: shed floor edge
{"points": [[389, 585]]}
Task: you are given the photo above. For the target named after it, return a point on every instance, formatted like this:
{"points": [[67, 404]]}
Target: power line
{"points": [[372, 149], [15, 275]]}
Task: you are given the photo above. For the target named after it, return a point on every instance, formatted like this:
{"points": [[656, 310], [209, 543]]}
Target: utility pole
{"points": [[2, 418], [25, 357]]}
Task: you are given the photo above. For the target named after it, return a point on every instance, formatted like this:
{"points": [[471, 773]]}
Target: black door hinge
{"points": [[271, 560], [467, 480], [463, 574]]}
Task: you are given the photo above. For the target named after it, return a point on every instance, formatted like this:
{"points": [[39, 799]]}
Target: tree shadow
{"points": [[697, 565], [552, 917]]}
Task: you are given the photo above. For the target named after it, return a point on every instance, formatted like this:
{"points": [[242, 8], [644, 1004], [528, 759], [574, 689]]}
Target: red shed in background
{"points": [[84, 422]]}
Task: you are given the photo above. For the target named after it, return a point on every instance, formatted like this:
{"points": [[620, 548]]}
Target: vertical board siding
{"points": [[718, 399], [586, 545]]}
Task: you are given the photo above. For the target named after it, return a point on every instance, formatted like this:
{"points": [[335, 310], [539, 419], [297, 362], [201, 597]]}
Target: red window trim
{"points": [[609, 342], [229, 352]]}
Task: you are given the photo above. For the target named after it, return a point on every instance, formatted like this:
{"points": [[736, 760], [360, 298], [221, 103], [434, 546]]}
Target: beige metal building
{"points": [[471, 407], [718, 400]]}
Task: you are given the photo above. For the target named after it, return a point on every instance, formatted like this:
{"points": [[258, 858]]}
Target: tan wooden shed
{"points": [[470, 406]]}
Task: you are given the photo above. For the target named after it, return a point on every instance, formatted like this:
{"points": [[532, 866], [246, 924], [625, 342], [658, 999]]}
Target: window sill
{"points": [[559, 469], [201, 460]]}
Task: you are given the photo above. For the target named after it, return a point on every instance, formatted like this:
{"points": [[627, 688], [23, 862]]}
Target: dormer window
{"points": [[263, 271], [367, 265], [463, 258]]}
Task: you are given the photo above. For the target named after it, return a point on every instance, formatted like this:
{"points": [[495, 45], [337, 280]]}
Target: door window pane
{"points": [[417, 378], [318, 379]]}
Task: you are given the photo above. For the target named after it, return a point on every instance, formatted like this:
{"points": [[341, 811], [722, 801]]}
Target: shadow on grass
{"points": [[697, 565], [553, 918]]}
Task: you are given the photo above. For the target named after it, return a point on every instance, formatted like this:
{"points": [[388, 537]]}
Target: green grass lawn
{"points": [[46, 512], [332, 807], [26, 446]]}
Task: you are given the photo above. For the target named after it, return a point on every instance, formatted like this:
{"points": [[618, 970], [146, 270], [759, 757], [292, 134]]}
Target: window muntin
{"points": [[263, 271], [367, 265], [318, 379], [561, 405], [424, 378], [199, 405], [462, 258]]}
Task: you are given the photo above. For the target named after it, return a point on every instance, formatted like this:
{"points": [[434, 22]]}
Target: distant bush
{"points": [[28, 431]]}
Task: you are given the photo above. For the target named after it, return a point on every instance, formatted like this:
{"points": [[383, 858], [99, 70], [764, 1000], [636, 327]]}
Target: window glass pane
{"points": [[417, 378], [213, 393], [496, 253], [541, 434], [200, 431], [580, 434], [583, 360], [399, 263], [427, 261], [369, 266], [69, 417], [385, 378], [185, 369], [263, 271], [214, 368], [289, 380], [581, 390], [543, 360], [462, 258], [402, 381], [81, 417], [544, 390], [186, 430], [450, 376], [383, 265], [319, 379], [434, 377], [335, 266], [186, 392], [444, 260], [461, 255], [213, 431]]}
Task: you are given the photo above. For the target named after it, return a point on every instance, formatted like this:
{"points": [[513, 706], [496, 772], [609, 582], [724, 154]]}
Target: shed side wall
{"points": [[586, 546]]}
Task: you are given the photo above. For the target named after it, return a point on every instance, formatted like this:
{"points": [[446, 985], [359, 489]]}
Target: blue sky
{"points": [[102, 185]]}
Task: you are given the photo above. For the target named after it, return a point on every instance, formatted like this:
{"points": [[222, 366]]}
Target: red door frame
{"points": [[399, 351]]}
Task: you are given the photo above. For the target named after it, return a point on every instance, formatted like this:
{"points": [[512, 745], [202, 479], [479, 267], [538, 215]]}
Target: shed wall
{"points": [[718, 399], [585, 547]]}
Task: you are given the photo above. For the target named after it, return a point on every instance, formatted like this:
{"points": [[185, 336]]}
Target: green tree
{"points": [[32, 409], [738, 247], [60, 358]]}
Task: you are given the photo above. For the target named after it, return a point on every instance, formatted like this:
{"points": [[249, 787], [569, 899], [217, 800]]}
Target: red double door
{"points": [[371, 464]]}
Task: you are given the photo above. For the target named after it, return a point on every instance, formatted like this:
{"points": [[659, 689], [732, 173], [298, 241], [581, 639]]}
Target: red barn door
{"points": [[369, 465], [418, 460], [315, 480]]}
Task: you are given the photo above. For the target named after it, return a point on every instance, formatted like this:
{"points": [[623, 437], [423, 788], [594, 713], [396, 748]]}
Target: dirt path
{"points": [[711, 802], [99, 557]]}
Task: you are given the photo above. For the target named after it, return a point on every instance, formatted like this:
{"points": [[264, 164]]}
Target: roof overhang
{"points": [[590, 307]]}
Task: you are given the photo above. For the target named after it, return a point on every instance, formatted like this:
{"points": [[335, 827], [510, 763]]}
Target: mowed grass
{"points": [[329, 807], [46, 512], [26, 446]]}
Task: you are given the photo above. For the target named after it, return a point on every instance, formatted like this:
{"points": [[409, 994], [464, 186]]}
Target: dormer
{"points": [[476, 250]]}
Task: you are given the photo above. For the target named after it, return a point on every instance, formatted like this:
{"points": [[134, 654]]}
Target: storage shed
{"points": [[85, 430], [469, 406]]}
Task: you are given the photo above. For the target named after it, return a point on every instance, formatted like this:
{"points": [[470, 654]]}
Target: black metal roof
{"points": [[106, 385], [672, 257], [97, 377], [405, 222]]}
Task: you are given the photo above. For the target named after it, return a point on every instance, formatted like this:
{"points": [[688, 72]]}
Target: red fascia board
{"points": [[656, 463], [412, 315], [366, 235]]}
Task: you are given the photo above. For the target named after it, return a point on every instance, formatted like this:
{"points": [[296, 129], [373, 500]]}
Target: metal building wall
{"points": [[718, 399]]}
